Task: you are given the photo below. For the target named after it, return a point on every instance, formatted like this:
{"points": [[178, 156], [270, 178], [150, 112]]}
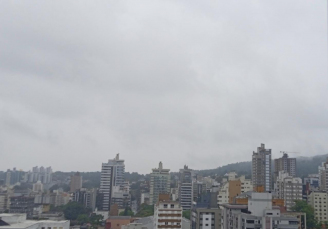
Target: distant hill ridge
{"points": [[305, 166]]}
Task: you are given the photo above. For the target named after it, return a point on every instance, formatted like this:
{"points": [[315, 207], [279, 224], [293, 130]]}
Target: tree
{"points": [[82, 219], [73, 209], [127, 212], [186, 214], [145, 210], [303, 206]]}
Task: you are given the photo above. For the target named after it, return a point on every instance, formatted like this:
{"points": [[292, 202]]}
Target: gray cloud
{"points": [[185, 82]]}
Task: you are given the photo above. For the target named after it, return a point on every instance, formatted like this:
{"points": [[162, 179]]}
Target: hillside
{"points": [[305, 166]]}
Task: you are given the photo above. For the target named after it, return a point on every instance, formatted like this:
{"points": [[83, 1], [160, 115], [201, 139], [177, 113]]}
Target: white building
{"points": [[318, 200], [159, 183], [288, 188], [39, 174], [18, 221], [168, 213], [259, 213], [38, 187], [112, 174]]}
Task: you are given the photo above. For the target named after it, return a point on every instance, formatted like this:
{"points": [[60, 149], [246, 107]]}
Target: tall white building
{"points": [[261, 169], [112, 174], [186, 188], [159, 183], [288, 188]]}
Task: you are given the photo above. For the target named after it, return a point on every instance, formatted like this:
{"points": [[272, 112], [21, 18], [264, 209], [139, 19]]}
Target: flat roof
{"points": [[27, 223]]}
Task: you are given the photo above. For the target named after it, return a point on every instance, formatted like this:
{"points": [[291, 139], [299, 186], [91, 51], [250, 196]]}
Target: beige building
{"points": [[159, 183], [233, 187], [167, 213], [318, 200], [285, 164]]}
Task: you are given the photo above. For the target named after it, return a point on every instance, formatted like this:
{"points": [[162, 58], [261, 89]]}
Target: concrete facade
{"points": [[285, 164], [76, 182], [167, 213], [112, 174], [261, 169], [159, 183], [318, 200], [288, 188], [186, 188], [258, 213]]}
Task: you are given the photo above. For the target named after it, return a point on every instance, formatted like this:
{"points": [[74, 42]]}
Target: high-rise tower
{"points": [[112, 174], [159, 183], [261, 169]]}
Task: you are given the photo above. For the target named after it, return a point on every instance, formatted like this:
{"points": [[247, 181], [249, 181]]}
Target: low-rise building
{"points": [[22, 204], [116, 222], [13, 221], [258, 213], [168, 213], [134, 226]]}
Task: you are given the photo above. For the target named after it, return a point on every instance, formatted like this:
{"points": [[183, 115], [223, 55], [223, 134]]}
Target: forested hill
{"points": [[305, 166]]}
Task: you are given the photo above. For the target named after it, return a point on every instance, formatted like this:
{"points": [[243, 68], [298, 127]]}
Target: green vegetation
{"points": [[303, 206], [186, 214], [145, 210], [72, 210], [127, 212]]}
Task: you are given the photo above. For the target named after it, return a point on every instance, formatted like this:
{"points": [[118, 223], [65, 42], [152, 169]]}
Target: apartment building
{"points": [[323, 176], [261, 169], [233, 187], [288, 188], [185, 188], [76, 182], [318, 200], [112, 174], [167, 213], [159, 183], [258, 213], [285, 164], [85, 197]]}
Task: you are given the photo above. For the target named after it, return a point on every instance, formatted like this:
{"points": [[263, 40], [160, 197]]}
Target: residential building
{"points": [[159, 183], [258, 213], [323, 175], [285, 164], [312, 180], [167, 213], [85, 197], [39, 174], [233, 187], [144, 198], [12, 221], [203, 218], [121, 197], [76, 182], [22, 204], [13, 176], [134, 226], [288, 188], [318, 200], [4, 202], [59, 198], [186, 188], [38, 187], [116, 222], [198, 189], [261, 169], [112, 174]]}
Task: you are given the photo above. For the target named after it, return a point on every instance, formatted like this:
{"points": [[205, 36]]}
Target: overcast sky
{"points": [[201, 83]]}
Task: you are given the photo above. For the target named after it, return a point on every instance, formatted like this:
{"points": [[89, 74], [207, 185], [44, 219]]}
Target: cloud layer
{"points": [[184, 82]]}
